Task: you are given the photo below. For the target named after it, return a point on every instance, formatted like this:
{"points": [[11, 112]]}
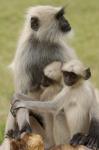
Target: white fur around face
{"points": [[48, 24]]}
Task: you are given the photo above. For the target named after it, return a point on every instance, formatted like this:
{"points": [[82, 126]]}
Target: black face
{"points": [[70, 78], [46, 81], [63, 23], [35, 23]]}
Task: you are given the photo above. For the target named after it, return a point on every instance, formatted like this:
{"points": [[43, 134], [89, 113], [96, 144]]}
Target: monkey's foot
{"points": [[78, 139], [12, 134], [86, 140], [92, 142]]}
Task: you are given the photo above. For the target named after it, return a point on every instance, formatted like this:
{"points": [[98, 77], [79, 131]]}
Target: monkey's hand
{"points": [[78, 139], [13, 134], [86, 140], [13, 108], [16, 101], [22, 117], [16, 106]]}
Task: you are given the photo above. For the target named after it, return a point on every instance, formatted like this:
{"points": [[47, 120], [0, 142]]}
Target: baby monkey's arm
{"points": [[23, 101]]}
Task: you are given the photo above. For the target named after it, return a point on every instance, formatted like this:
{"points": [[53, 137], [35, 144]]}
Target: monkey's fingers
{"points": [[77, 139], [13, 134], [15, 106], [9, 134], [83, 140], [92, 142], [13, 111]]}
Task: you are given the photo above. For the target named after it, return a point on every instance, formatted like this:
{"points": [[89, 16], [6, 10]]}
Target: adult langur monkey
{"points": [[40, 43], [76, 103]]}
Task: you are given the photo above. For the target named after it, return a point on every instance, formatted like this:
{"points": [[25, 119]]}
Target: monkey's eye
{"points": [[60, 14], [72, 75], [35, 23]]}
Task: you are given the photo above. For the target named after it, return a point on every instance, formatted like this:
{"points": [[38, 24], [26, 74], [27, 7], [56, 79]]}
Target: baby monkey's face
{"points": [[71, 78], [46, 81]]}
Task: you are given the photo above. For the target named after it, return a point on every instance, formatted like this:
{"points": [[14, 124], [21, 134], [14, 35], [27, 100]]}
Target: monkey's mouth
{"points": [[70, 82], [65, 28]]}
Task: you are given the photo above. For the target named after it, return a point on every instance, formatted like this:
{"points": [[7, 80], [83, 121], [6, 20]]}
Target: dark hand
{"points": [[86, 140]]}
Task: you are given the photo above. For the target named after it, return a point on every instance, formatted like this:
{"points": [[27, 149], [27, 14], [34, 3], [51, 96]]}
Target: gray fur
{"points": [[40, 54]]}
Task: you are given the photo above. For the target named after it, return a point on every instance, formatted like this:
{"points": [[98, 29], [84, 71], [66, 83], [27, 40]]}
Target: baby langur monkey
{"points": [[51, 85], [74, 109], [51, 82]]}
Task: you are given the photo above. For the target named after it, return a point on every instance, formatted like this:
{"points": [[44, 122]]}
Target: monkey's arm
{"points": [[23, 101], [10, 125]]}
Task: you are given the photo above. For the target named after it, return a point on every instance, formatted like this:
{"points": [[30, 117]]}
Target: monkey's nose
{"points": [[65, 27]]}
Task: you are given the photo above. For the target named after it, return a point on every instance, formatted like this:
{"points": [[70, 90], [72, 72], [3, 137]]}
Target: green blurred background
{"points": [[84, 18]]}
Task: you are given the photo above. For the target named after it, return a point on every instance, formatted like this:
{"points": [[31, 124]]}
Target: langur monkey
{"points": [[40, 43], [75, 109], [52, 86]]}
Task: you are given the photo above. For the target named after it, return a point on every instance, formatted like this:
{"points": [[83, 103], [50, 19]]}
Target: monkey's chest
{"points": [[40, 58], [77, 114]]}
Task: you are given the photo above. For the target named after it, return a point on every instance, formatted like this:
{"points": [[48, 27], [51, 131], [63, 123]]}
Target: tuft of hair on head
{"points": [[53, 71], [78, 68]]}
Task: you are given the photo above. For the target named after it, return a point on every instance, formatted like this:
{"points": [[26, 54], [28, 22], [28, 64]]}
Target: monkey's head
{"points": [[52, 73], [47, 22], [74, 71]]}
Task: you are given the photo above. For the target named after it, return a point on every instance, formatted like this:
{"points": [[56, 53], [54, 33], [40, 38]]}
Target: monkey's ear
{"points": [[60, 13], [35, 23], [87, 74]]}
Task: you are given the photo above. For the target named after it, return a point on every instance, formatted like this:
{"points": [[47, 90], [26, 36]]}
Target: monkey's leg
{"points": [[23, 115], [93, 134], [91, 140], [10, 125], [22, 118]]}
